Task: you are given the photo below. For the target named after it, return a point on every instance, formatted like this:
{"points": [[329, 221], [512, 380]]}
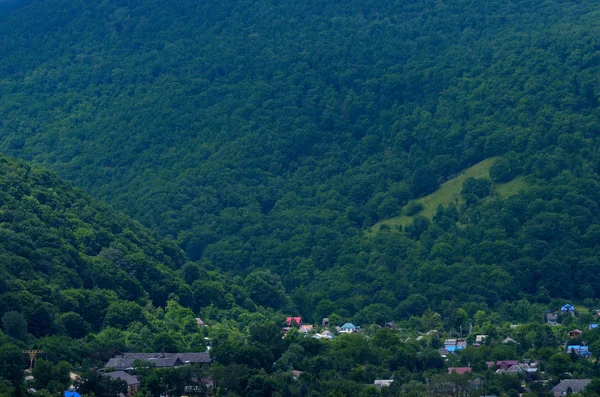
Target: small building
{"points": [[132, 382], [296, 374], [568, 308], [567, 386], [453, 345], [379, 383], [443, 352], [593, 326], [509, 340], [305, 328], [348, 328], [506, 364], [293, 320], [579, 350], [551, 317], [575, 333], [200, 322], [479, 339], [325, 322], [459, 370]]}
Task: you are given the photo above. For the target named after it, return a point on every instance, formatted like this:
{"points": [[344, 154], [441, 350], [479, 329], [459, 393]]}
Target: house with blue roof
{"points": [[453, 345], [581, 351], [593, 326], [348, 328], [568, 308]]}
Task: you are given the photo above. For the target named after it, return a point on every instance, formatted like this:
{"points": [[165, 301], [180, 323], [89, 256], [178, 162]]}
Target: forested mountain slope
{"points": [[69, 264], [271, 134], [62, 252]]}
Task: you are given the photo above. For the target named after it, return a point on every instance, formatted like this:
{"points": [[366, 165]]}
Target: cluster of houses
{"points": [[511, 367], [296, 322], [117, 366]]}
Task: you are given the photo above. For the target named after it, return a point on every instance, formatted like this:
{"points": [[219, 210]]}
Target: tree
{"points": [[11, 364], [15, 325], [424, 181], [74, 325], [477, 187], [265, 288], [503, 170], [122, 313], [165, 342], [431, 320]]}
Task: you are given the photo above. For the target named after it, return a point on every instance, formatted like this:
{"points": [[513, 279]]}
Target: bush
{"points": [[413, 208]]}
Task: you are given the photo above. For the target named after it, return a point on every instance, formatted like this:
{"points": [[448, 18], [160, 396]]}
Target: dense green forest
{"points": [[255, 144], [270, 135]]}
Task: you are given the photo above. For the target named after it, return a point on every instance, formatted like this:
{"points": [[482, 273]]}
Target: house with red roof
{"points": [[292, 320], [459, 370]]}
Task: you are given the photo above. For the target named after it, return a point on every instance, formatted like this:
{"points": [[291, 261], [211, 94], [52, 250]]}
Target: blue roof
{"points": [[72, 394], [593, 326], [567, 307], [581, 349], [348, 326]]}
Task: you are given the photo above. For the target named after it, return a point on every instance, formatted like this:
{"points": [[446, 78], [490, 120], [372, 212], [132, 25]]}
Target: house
{"points": [[581, 351], [513, 366], [453, 345], [593, 326], [159, 360], [296, 374], [200, 322], [551, 317], [575, 333], [325, 322], [293, 320], [509, 340], [200, 386], [567, 386], [305, 328], [479, 339], [459, 370], [506, 364], [132, 382], [443, 352], [348, 328], [379, 383], [568, 308]]}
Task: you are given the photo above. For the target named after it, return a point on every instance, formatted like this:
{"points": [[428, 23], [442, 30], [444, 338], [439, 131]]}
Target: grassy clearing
{"points": [[449, 192]]}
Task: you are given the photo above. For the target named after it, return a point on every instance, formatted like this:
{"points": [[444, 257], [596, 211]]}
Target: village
{"points": [[453, 350]]}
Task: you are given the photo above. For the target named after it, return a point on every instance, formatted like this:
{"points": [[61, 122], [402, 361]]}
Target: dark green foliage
{"points": [[15, 325], [475, 188], [11, 364], [413, 208]]}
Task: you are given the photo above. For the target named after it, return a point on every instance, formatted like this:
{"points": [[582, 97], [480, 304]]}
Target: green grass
{"points": [[449, 192], [581, 309]]}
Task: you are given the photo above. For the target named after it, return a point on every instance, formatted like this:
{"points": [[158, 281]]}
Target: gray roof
{"points": [[576, 386], [129, 379], [127, 363], [185, 358], [161, 360]]}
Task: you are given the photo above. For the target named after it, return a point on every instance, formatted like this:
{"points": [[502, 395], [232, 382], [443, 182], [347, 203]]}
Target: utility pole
{"points": [[32, 356]]}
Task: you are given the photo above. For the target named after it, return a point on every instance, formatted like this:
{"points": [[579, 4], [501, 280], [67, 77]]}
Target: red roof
{"points": [[459, 370], [290, 320]]}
